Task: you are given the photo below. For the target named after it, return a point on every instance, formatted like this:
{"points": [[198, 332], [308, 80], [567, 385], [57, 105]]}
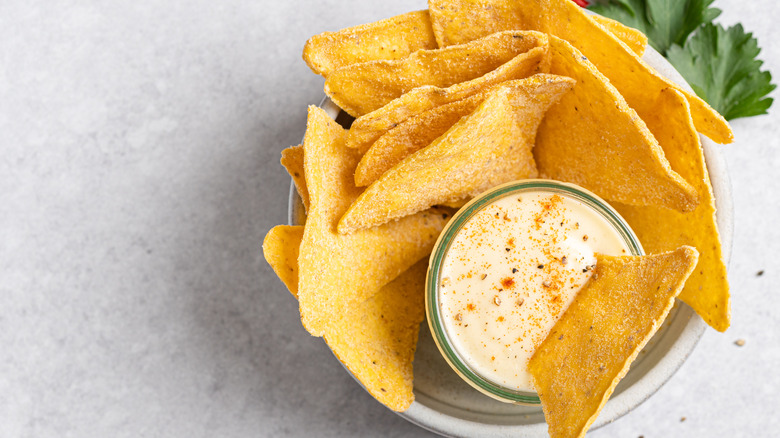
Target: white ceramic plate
{"points": [[445, 404]]}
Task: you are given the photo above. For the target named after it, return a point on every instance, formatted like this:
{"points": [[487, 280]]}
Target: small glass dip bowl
{"points": [[434, 280]]}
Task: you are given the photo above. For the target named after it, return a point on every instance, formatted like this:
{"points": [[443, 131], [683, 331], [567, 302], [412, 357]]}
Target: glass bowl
{"points": [[433, 282]]}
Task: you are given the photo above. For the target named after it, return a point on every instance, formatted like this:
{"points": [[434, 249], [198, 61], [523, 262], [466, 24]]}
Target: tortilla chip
{"points": [[377, 339], [411, 135], [465, 20], [592, 138], [392, 38], [489, 147], [280, 248], [368, 128], [639, 83], [660, 229], [460, 21], [292, 160], [361, 88], [633, 38], [591, 347], [337, 272]]}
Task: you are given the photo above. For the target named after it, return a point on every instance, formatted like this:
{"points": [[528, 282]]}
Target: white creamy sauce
{"points": [[511, 272]]}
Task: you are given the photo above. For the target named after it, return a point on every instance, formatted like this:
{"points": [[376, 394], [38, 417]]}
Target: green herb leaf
{"points": [[665, 22], [721, 66]]}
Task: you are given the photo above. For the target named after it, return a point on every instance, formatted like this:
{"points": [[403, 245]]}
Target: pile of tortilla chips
{"points": [[451, 101]]}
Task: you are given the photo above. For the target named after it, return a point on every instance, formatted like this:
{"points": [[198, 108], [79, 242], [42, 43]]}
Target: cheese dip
{"points": [[511, 270]]}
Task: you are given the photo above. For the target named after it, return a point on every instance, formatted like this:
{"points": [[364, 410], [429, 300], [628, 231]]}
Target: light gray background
{"points": [[139, 172]]}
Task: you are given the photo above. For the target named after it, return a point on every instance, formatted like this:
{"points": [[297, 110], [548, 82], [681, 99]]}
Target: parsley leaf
{"points": [[721, 66], [665, 22]]}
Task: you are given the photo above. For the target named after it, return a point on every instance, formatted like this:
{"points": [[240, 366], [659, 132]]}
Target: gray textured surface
{"points": [[139, 173]]}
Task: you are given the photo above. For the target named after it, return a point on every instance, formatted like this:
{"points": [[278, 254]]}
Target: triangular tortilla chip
{"points": [[489, 147], [592, 138], [369, 127], [376, 339], [411, 135], [280, 248], [591, 347], [637, 82], [391, 38], [661, 229], [292, 160], [361, 88], [461, 21], [633, 38], [336, 271]]}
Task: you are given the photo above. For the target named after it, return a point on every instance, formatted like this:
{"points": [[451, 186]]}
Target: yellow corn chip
{"points": [[292, 160], [368, 128], [376, 339], [412, 135], [361, 88], [660, 229], [489, 147], [465, 20], [280, 248], [392, 38], [336, 272], [633, 38], [592, 138], [460, 21], [591, 347], [637, 82]]}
